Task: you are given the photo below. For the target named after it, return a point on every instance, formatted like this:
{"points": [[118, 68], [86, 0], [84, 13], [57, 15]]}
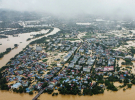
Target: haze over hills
{"points": [[73, 47], [69, 8]]}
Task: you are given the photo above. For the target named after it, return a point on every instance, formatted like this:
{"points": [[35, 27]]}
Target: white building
{"points": [[38, 48], [15, 86]]}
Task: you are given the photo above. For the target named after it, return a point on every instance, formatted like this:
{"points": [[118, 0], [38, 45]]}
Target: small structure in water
{"points": [[15, 35]]}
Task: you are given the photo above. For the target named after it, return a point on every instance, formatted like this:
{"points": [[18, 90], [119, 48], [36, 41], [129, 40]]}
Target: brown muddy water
{"points": [[129, 94], [108, 95], [16, 40]]}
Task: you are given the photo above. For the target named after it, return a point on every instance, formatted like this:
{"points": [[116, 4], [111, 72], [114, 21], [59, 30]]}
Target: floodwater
{"points": [[120, 61], [125, 47], [123, 66], [16, 40], [21, 39], [108, 95]]}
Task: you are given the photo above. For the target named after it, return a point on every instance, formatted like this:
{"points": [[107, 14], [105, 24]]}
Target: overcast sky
{"points": [[98, 7]]}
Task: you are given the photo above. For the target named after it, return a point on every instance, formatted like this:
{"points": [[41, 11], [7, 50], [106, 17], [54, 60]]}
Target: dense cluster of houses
{"points": [[26, 66], [82, 57]]}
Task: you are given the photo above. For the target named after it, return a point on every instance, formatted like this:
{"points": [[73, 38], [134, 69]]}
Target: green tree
{"points": [[30, 93]]}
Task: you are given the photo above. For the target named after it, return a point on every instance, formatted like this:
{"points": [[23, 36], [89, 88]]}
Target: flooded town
{"points": [[45, 56]]}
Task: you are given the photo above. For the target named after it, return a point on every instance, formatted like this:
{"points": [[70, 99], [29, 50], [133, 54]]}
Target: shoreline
{"points": [[106, 91], [127, 95], [14, 52]]}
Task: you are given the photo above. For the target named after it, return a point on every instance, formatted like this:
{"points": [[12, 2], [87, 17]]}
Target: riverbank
{"points": [[20, 40], [108, 95], [15, 51]]}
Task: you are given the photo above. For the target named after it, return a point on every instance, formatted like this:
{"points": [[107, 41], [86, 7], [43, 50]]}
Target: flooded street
{"points": [[8, 95], [67, 50], [108, 95], [22, 45]]}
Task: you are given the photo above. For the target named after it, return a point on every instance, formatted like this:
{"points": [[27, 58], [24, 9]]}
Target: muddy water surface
{"points": [[13, 40], [129, 94]]}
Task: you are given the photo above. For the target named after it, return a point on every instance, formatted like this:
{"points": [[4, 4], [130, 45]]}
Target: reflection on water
{"points": [[22, 45], [108, 95]]}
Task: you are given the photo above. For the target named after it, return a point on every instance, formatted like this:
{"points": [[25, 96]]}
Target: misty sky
{"points": [[98, 7]]}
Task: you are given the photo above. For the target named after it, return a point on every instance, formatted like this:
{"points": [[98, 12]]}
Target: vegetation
{"points": [[30, 93], [3, 82], [54, 94], [45, 85], [41, 40], [49, 91], [132, 50], [127, 62], [129, 85], [133, 81], [88, 35], [20, 90], [38, 35], [67, 89], [3, 36], [95, 90], [28, 39], [44, 60], [72, 39], [110, 86], [15, 45], [3, 53], [122, 54]]}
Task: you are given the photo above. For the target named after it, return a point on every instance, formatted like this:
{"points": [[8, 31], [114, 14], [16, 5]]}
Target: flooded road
{"points": [[22, 45], [108, 95]]}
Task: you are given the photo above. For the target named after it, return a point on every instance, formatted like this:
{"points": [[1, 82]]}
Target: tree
{"points": [[8, 49], [133, 81], [107, 82], [45, 85], [15, 45], [112, 87], [30, 93], [129, 85], [20, 89], [126, 80]]}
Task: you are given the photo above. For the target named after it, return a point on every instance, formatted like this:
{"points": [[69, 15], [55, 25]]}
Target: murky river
{"points": [[108, 95], [21, 39], [16, 40], [7, 95]]}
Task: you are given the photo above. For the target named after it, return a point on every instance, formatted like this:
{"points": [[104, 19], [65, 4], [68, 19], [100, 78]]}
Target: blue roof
{"points": [[125, 75]]}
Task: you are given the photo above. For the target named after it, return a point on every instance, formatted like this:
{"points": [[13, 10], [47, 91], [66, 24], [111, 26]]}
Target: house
{"points": [[51, 86], [67, 36], [86, 69], [71, 65], [38, 48], [15, 86], [81, 50], [78, 67]]}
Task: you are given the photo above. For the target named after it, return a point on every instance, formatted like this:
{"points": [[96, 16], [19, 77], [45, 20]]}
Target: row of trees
{"points": [[42, 40], [3, 82], [95, 90], [3, 53], [20, 90]]}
